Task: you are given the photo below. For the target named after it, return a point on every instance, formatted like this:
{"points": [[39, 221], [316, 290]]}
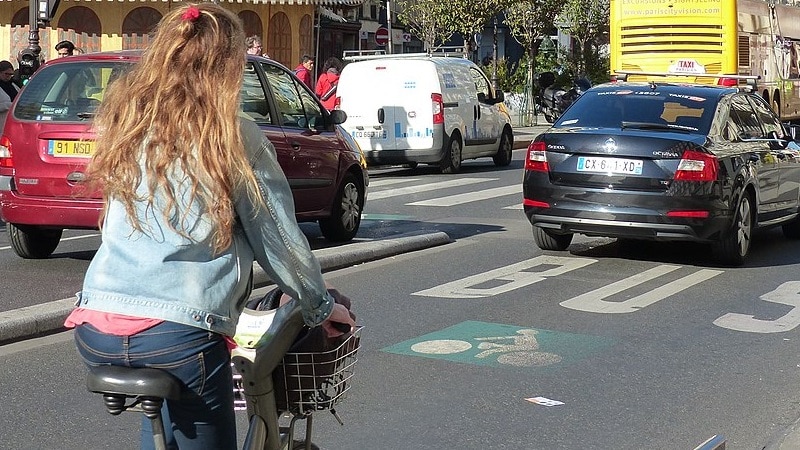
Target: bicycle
{"points": [[269, 379]]}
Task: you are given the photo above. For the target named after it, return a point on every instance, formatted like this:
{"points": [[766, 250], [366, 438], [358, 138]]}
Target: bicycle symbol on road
{"points": [[519, 350]]}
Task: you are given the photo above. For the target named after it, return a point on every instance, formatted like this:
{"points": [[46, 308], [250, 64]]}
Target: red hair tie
{"points": [[191, 14]]}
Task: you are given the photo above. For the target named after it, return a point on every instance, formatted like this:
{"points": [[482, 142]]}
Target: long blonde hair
{"points": [[177, 108]]}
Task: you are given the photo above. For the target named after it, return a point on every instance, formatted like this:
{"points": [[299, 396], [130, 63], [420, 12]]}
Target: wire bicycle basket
{"points": [[310, 381]]}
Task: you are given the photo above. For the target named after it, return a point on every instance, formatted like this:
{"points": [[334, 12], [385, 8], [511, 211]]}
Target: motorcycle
{"points": [[553, 100]]}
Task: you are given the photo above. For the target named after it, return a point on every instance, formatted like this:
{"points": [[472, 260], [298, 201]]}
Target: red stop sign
{"points": [[382, 36]]}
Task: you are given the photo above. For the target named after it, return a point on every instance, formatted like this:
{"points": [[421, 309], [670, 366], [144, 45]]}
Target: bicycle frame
{"points": [[256, 365]]}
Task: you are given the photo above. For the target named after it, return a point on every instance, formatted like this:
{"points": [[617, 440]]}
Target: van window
{"points": [[481, 83], [67, 92]]}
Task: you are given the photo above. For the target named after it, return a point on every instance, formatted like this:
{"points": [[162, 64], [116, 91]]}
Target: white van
{"points": [[421, 108]]}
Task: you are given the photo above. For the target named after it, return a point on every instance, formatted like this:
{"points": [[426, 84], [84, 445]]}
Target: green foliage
{"points": [[510, 77]]}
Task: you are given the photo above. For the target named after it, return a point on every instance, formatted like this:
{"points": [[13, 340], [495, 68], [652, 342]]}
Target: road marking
{"points": [[381, 182], [501, 345], [510, 277], [515, 206], [593, 301], [426, 187], [458, 199], [65, 239], [786, 294]]}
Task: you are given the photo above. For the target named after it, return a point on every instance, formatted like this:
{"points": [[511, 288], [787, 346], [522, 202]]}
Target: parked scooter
{"points": [[553, 100]]}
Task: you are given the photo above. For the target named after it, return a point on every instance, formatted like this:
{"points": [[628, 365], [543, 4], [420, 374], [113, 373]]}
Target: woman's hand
{"points": [[339, 322]]}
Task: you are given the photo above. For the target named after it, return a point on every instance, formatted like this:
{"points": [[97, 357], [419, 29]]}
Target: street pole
{"points": [[495, 82], [389, 26], [33, 32]]}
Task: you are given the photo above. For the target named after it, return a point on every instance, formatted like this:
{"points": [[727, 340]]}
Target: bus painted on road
{"points": [[710, 39]]}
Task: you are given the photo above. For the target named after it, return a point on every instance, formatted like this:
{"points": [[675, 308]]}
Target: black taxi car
{"points": [[664, 161]]}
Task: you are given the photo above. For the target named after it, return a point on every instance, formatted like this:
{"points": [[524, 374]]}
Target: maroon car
{"points": [[47, 143]]}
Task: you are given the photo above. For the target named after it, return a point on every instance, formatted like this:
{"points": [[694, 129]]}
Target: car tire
{"points": [[733, 246], [547, 240], [345, 217], [32, 242], [504, 151], [451, 163]]}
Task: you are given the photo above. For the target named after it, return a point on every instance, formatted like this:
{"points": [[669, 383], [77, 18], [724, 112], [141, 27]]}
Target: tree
{"points": [[587, 23], [425, 19], [529, 21], [468, 17]]}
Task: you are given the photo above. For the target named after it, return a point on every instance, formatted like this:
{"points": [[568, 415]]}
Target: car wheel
{"points": [[734, 245], [503, 156], [345, 217], [547, 240], [451, 163], [31, 242]]}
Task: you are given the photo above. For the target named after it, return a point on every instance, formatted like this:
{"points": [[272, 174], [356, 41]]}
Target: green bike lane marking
{"points": [[500, 345]]}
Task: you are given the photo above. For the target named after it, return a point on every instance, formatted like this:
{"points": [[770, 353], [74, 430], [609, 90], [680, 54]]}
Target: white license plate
{"points": [[610, 165]]}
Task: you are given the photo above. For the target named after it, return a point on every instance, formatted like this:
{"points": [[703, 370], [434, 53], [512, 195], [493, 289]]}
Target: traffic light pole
{"points": [[33, 32]]}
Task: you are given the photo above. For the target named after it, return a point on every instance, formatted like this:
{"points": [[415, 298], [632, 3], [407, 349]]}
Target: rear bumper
{"points": [[49, 212], [425, 156], [653, 226]]}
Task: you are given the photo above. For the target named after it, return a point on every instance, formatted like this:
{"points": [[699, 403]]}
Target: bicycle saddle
{"points": [[133, 382]]}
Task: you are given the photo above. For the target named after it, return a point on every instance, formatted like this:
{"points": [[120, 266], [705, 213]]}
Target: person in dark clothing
{"points": [[327, 81], [65, 48], [8, 90]]}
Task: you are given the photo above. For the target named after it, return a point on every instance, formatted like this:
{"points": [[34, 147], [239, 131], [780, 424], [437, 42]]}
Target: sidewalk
{"points": [[38, 320], [523, 135]]}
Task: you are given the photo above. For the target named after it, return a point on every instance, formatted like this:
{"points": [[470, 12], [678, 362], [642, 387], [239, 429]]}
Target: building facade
{"points": [[286, 27]]}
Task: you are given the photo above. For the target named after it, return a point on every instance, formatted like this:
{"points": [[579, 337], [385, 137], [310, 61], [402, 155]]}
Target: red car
{"points": [[46, 145]]}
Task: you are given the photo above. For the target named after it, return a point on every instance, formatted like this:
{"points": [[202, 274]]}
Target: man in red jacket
{"points": [[303, 71]]}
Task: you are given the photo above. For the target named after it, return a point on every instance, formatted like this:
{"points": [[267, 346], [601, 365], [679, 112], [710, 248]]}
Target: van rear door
{"points": [[388, 103]]}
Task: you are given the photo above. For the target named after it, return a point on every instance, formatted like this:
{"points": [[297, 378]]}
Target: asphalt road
{"points": [[465, 344]]}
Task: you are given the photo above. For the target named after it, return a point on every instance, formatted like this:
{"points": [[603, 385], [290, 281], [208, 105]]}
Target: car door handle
{"points": [[295, 145], [381, 115], [477, 112]]}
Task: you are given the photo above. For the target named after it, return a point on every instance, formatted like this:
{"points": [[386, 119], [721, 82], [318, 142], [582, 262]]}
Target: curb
{"points": [[787, 439], [38, 320]]}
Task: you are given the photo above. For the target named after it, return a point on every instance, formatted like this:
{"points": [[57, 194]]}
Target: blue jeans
{"points": [[204, 418]]}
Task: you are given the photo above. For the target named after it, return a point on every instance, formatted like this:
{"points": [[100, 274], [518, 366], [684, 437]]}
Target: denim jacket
{"points": [[157, 273]]}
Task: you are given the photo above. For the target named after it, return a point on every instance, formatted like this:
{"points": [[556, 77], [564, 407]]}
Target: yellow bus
{"points": [[711, 39]]}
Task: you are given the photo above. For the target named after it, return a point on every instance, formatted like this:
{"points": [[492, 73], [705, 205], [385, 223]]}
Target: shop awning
{"points": [[325, 12]]}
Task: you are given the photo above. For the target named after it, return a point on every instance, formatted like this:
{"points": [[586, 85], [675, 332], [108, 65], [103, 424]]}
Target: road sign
{"points": [[382, 36]]}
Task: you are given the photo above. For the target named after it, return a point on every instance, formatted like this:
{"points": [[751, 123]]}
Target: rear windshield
{"points": [[631, 107], [67, 92]]}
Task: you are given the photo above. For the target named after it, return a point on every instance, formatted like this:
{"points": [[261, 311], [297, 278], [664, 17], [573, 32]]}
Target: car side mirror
{"points": [[337, 116], [481, 97], [499, 97]]}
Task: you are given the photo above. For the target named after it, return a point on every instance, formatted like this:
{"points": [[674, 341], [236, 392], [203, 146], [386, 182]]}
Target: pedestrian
{"points": [[253, 44], [303, 71], [8, 90], [65, 48], [192, 194], [327, 82]]}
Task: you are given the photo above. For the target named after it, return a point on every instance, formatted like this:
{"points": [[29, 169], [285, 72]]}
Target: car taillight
{"points": [[536, 158], [697, 166], [5, 153], [438, 108], [727, 82], [337, 103]]}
